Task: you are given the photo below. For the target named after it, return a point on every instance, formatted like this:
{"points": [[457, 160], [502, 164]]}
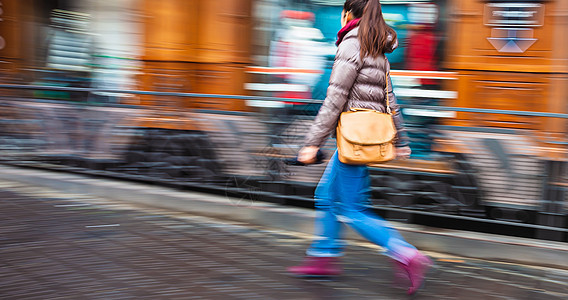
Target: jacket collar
{"points": [[347, 30], [354, 33]]}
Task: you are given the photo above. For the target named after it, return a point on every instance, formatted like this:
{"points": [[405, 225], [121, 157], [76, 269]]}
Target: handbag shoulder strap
{"points": [[387, 75]]}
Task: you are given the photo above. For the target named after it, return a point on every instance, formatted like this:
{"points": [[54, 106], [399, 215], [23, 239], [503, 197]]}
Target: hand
{"points": [[403, 152], [307, 155]]}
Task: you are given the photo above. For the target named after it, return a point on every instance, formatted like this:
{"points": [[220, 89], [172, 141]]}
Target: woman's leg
{"points": [[322, 255], [327, 227], [353, 189]]}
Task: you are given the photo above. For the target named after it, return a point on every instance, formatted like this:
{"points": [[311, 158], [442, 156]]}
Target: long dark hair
{"points": [[373, 30]]}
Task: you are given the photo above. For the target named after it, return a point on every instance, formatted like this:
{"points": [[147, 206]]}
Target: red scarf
{"points": [[348, 27]]}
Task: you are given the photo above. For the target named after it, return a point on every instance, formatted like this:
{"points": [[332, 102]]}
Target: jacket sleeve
{"points": [[402, 139], [345, 68]]}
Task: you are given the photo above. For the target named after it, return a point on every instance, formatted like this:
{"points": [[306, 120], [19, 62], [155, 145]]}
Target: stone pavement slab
{"points": [[56, 244]]}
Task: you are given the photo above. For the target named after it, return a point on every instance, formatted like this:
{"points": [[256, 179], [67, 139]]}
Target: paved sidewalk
{"points": [[251, 211], [55, 244]]}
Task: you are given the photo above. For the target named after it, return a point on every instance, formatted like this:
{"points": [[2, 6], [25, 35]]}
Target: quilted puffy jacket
{"points": [[355, 83]]}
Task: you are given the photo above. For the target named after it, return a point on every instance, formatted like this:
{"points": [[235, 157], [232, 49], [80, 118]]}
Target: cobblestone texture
{"points": [[56, 245]]}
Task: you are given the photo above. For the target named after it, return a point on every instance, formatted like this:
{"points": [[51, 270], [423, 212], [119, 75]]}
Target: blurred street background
{"points": [[212, 97]]}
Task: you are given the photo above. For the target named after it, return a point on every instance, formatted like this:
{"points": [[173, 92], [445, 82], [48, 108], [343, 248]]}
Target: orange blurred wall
{"points": [[495, 76], [197, 46]]}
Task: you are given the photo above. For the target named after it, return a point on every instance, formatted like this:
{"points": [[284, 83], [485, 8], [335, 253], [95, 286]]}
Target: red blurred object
{"points": [[296, 14], [294, 95], [421, 51]]}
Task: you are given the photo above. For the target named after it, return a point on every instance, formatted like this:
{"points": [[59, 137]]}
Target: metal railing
{"points": [[242, 97]]}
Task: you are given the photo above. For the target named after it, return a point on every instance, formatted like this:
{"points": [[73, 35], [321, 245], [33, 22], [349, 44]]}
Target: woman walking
{"points": [[360, 79]]}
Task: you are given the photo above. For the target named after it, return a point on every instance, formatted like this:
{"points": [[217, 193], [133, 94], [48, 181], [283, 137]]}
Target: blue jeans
{"points": [[343, 195]]}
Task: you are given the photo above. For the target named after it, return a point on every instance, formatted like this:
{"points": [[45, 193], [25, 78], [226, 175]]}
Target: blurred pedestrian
{"points": [[422, 41], [358, 80]]}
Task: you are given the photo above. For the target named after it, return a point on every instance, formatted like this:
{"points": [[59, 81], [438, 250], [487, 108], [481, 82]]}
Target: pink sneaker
{"points": [[317, 266], [414, 271]]}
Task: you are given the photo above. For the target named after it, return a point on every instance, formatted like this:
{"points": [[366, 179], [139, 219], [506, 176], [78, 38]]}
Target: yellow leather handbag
{"points": [[366, 136]]}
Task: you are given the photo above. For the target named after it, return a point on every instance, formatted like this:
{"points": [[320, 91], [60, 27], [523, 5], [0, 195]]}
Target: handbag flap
{"points": [[367, 127]]}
